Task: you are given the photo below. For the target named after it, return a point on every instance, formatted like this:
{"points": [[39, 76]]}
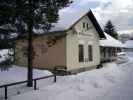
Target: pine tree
{"points": [[109, 28], [26, 15]]}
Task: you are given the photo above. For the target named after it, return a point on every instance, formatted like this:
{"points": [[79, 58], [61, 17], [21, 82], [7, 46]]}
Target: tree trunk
{"points": [[30, 46], [30, 69]]}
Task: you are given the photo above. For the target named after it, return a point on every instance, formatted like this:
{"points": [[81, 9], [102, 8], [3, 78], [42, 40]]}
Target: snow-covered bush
{"points": [[6, 59]]}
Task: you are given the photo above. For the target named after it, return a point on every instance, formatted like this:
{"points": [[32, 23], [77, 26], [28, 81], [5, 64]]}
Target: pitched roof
{"points": [[110, 42], [96, 24], [66, 20], [128, 44], [69, 18]]}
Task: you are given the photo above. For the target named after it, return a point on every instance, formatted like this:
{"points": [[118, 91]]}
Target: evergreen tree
{"points": [[26, 15], [5, 41], [109, 28]]}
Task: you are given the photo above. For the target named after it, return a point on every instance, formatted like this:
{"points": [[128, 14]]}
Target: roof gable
{"points": [[96, 25], [67, 19]]}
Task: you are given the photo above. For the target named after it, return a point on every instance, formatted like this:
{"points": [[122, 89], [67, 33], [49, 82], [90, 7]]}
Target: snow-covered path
{"points": [[123, 90], [114, 82]]}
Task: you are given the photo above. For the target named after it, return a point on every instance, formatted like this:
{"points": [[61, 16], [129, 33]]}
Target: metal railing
{"points": [[5, 86]]}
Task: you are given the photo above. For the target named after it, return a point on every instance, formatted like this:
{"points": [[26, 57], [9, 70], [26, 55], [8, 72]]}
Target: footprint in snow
{"points": [[110, 78], [96, 85]]}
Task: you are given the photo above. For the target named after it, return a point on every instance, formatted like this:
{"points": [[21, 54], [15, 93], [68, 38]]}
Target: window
{"points": [[109, 52], [83, 24], [104, 52], [87, 25], [90, 53], [81, 53]]}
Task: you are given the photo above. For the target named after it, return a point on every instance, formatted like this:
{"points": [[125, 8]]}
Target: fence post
{"points": [[55, 69], [5, 92], [35, 85]]}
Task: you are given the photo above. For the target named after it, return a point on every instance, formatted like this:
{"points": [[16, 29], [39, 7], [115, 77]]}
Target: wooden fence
{"points": [[5, 86]]}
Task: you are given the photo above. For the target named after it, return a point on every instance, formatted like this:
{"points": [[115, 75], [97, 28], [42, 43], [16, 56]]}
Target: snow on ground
{"points": [[19, 74], [15, 74], [113, 82]]}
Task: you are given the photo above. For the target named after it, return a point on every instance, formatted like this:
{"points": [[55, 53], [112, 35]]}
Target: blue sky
{"points": [[120, 12]]}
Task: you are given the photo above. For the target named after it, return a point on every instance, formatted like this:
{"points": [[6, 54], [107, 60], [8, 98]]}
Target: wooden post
{"points": [[54, 77], [5, 92], [35, 85], [55, 69]]}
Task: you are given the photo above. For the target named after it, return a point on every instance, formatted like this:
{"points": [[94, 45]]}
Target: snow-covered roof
{"points": [[128, 44], [68, 17], [110, 42], [66, 20]]}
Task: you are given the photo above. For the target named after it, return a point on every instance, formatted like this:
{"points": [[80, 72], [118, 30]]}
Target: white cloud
{"points": [[84, 2], [119, 11]]}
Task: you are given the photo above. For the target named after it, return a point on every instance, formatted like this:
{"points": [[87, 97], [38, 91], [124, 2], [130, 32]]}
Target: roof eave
{"points": [[96, 25]]}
